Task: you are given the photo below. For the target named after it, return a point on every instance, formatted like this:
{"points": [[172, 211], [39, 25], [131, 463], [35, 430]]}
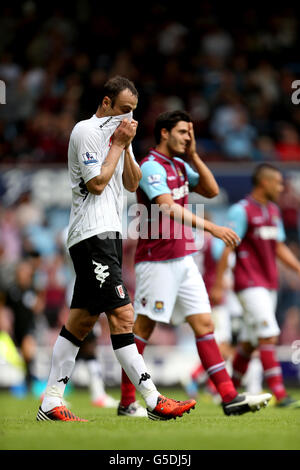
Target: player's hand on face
{"points": [[124, 134], [229, 237], [191, 147]]}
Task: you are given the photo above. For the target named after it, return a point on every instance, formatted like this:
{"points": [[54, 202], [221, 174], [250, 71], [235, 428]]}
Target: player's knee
{"points": [[201, 324], [121, 320], [143, 326], [82, 327], [207, 325], [272, 340]]}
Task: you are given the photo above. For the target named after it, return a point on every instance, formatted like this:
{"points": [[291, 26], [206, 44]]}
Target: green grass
{"points": [[205, 428]]}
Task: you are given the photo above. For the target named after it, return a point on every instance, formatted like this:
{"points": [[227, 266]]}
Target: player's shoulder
{"points": [[238, 208], [274, 208], [81, 127], [179, 160], [243, 202], [151, 163]]}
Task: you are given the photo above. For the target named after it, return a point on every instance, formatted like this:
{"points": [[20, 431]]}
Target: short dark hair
{"points": [[115, 85], [260, 170], [168, 120]]}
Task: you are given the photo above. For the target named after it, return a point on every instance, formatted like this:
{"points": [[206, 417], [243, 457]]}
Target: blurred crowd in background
{"points": [[231, 70]]}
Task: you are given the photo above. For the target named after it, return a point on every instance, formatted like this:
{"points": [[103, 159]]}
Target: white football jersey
{"points": [[89, 145]]}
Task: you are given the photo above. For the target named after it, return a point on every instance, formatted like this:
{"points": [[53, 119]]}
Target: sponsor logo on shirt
{"points": [[257, 219], [266, 233], [89, 157], [106, 122], [179, 193]]}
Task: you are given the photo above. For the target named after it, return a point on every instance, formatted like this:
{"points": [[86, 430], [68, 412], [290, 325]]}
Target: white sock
{"points": [[133, 364], [62, 365], [96, 384]]}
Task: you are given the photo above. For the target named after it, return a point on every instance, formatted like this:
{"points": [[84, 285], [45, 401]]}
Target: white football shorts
{"points": [[169, 291], [259, 307]]}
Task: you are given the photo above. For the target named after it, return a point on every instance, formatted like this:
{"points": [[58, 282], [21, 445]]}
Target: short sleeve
{"points": [[217, 248], [281, 236], [154, 179], [237, 219], [192, 175], [88, 153]]}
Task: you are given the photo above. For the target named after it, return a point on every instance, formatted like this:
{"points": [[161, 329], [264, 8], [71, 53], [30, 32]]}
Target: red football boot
{"points": [[167, 408]]}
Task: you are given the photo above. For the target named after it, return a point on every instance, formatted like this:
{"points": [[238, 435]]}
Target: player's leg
{"points": [[210, 356], [128, 352], [28, 351], [241, 361], [192, 295], [65, 350], [259, 314], [88, 355], [223, 336], [143, 328], [80, 322], [158, 407]]}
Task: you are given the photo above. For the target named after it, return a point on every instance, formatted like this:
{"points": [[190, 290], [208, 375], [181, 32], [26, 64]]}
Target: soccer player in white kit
{"points": [[101, 162], [169, 286]]}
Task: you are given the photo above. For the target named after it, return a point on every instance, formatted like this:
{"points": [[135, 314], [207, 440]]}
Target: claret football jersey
{"points": [[160, 237], [260, 228]]}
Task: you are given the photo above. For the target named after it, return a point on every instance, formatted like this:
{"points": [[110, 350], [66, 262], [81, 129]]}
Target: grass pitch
{"points": [[205, 428]]}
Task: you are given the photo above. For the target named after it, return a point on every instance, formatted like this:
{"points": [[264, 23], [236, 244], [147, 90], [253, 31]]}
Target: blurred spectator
{"points": [[290, 208], [288, 145], [230, 125], [24, 302], [290, 329]]}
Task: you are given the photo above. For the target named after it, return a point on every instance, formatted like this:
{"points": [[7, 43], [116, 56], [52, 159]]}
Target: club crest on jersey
{"points": [[120, 291], [89, 157], [180, 174], [159, 306]]}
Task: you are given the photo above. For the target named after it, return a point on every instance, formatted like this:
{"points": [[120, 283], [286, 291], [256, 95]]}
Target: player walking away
{"points": [[222, 316], [257, 221], [169, 287], [101, 162]]}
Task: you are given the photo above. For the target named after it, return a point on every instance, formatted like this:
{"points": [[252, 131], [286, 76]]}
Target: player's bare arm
{"points": [[183, 215], [207, 186], [121, 139], [287, 257], [131, 172]]}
